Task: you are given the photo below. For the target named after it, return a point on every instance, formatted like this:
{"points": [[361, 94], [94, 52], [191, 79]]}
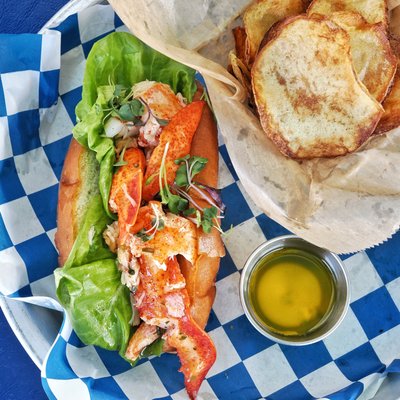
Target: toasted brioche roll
{"points": [[79, 183], [373, 11], [310, 101], [200, 278]]}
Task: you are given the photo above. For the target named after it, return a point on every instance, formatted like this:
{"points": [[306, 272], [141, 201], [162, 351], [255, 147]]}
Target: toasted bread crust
{"points": [[201, 277], [70, 186], [299, 112]]}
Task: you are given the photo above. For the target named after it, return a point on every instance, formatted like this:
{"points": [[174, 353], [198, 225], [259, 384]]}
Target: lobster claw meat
{"points": [[162, 300], [154, 239], [195, 350], [143, 337], [159, 97], [126, 191]]}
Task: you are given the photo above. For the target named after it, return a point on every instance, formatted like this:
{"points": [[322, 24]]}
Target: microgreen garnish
{"points": [[121, 160], [207, 222], [189, 167], [206, 98], [162, 122], [174, 202], [119, 90], [157, 224], [178, 196], [190, 211], [122, 105], [143, 235], [131, 110]]}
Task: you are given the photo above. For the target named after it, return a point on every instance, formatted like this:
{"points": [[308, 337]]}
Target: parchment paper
{"points": [[345, 204]]}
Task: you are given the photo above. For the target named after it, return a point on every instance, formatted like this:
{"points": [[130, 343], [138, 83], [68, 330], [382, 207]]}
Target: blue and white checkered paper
{"points": [[40, 84]]}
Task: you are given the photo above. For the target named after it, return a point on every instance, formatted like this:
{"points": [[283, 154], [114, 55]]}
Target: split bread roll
{"points": [[79, 183], [200, 278], [310, 101]]}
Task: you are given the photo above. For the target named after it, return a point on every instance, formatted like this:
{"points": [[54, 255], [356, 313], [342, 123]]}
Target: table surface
{"points": [[20, 378]]}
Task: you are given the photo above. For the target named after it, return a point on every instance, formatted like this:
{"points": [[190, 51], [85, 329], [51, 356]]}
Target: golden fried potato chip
{"points": [[240, 71], [310, 101], [239, 35], [260, 16], [373, 58], [373, 11], [391, 118]]}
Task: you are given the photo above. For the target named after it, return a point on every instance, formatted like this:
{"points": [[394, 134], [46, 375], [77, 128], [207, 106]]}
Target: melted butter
{"points": [[291, 291]]}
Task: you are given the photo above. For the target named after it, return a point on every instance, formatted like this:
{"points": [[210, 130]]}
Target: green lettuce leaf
{"points": [[154, 349], [89, 245], [120, 59], [89, 133], [97, 303], [89, 285], [125, 60]]}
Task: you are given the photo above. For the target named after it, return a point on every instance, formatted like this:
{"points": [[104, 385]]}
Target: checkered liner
{"points": [[37, 101]]}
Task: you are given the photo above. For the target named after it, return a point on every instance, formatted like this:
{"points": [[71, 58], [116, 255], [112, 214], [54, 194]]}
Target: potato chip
{"points": [[373, 58], [373, 11], [240, 42], [240, 71], [309, 99], [260, 16], [391, 118]]}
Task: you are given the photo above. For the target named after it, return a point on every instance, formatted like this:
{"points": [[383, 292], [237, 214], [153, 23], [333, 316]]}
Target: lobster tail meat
{"points": [[126, 191]]}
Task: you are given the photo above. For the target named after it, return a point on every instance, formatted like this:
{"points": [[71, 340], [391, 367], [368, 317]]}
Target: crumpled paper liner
{"points": [[345, 204]]}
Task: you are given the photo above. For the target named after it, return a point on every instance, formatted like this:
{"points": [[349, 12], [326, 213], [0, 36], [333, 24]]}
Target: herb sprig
{"points": [[121, 162], [175, 203], [123, 106], [157, 224], [178, 199]]}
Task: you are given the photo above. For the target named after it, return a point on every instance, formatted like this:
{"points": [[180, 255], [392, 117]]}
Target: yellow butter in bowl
{"points": [[291, 291], [294, 292]]}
